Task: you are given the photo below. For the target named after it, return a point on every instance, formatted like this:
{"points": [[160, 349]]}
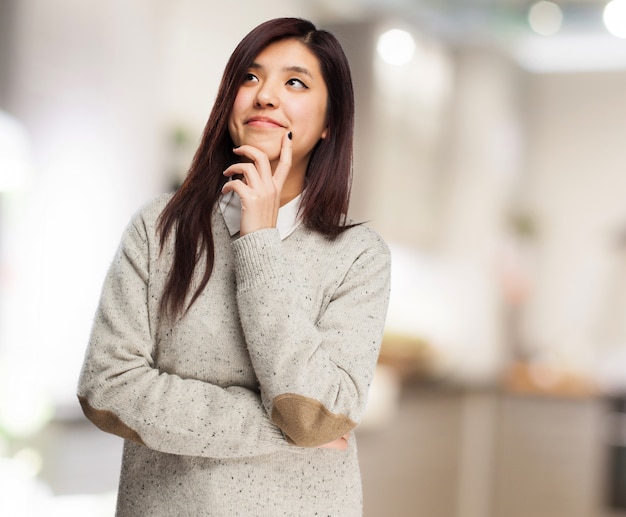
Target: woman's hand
{"points": [[340, 444], [259, 188]]}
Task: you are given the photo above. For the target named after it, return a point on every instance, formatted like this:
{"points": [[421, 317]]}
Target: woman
{"points": [[240, 322]]}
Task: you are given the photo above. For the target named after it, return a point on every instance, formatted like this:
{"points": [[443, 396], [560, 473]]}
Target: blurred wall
{"points": [[114, 96], [576, 180]]}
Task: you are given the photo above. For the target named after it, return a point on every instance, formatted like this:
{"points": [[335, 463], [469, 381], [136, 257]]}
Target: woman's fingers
{"points": [[259, 188], [244, 172], [340, 444], [258, 159], [284, 162], [262, 167], [237, 185]]}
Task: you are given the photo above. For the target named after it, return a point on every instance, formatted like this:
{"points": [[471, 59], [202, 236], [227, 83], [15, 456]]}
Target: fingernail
{"points": [[290, 135]]}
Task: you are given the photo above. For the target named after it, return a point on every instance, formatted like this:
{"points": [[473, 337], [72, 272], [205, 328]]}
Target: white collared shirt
{"points": [[288, 218]]}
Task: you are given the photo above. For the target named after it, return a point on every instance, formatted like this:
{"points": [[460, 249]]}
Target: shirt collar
{"points": [[288, 217]]}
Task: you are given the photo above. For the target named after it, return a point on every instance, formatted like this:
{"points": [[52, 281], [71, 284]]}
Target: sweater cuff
{"points": [[257, 259]]}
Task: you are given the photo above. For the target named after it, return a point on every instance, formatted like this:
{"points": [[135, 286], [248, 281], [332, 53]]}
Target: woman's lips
{"points": [[263, 122]]}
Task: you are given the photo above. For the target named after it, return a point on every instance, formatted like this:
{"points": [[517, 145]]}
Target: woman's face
{"points": [[283, 91]]}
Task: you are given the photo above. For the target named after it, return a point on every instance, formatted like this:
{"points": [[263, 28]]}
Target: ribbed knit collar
{"points": [[288, 219]]}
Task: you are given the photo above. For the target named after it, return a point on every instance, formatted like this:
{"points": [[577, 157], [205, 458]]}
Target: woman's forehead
{"points": [[291, 53]]}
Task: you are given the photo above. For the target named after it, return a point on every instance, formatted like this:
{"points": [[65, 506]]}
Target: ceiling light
{"points": [[545, 18], [396, 47], [615, 18]]}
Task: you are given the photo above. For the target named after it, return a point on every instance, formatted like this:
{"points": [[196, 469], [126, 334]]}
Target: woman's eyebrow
{"points": [[292, 68], [297, 69]]}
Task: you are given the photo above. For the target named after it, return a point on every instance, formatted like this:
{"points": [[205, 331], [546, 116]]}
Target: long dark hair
{"points": [[328, 177]]}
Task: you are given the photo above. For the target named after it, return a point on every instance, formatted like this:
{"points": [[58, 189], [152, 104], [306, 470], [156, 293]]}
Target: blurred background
{"points": [[491, 156]]}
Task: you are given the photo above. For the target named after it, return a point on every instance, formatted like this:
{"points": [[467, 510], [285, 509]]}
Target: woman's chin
{"points": [[273, 155], [271, 148]]}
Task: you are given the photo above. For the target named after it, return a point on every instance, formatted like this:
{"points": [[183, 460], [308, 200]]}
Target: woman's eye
{"points": [[250, 78], [296, 83]]}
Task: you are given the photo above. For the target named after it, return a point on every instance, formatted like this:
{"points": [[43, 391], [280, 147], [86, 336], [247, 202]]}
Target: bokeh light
{"points": [[396, 47], [615, 18], [545, 18]]}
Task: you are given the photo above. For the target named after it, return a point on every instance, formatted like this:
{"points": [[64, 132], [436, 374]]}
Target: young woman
{"points": [[240, 322]]}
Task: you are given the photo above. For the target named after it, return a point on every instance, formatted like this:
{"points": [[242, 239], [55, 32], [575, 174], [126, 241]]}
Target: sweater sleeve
{"points": [[122, 392], [314, 374]]}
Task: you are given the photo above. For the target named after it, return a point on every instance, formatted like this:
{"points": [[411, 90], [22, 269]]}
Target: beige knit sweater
{"points": [[222, 411]]}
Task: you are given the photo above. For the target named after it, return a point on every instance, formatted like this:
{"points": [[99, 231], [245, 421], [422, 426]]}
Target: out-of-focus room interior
{"points": [[490, 154]]}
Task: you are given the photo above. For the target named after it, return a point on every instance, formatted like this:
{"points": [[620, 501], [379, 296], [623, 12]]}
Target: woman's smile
{"points": [[264, 122]]}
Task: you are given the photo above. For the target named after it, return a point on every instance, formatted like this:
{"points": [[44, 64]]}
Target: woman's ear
{"points": [[324, 133]]}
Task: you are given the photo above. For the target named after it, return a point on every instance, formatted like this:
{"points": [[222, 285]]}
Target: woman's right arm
{"points": [[122, 392]]}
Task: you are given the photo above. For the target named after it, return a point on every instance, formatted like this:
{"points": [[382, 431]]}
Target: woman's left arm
{"points": [[314, 375]]}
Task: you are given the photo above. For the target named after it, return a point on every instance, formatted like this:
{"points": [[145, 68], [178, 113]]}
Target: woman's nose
{"points": [[266, 97]]}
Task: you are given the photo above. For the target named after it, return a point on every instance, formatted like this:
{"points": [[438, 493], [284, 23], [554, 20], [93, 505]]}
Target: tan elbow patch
{"points": [[307, 422], [109, 422]]}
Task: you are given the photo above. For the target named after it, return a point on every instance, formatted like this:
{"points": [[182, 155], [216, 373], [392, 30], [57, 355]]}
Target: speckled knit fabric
{"points": [[222, 411]]}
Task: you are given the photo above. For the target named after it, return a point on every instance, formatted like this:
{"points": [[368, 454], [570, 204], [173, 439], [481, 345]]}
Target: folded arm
{"points": [[122, 391], [314, 374]]}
